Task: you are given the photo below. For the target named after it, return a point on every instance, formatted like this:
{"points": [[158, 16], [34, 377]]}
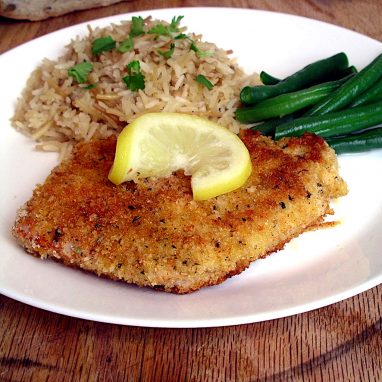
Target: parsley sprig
{"points": [[135, 80], [81, 71], [126, 45], [136, 28], [199, 52], [167, 53], [103, 44], [175, 22], [166, 30]]}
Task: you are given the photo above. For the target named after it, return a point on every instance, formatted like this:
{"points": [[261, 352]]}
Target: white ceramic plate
{"points": [[314, 270]]}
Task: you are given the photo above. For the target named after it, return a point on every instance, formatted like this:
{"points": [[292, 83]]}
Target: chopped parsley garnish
{"points": [[204, 81], [136, 28], [174, 26], [194, 47], [135, 80], [159, 29], [126, 45], [200, 53], [80, 71], [168, 53], [91, 86], [103, 44], [180, 36], [166, 30]]}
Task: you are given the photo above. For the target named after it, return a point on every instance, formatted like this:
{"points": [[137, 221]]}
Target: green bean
{"points": [[372, 94], [355, 143], [349, 70], [268, 128], [268, 79], [342, 73], [350, 90], [312, 73], [285, 104], [334, 124]]}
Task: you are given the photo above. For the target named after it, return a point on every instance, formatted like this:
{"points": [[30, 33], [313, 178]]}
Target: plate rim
{"points": [[162, 323]]}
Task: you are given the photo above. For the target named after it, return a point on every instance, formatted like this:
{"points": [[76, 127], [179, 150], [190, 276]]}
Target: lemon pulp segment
{"points": [[157, 144]]}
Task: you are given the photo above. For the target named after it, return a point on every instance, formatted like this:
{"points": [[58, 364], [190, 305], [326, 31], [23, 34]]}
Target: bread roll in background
{"points": [[35, 10]]}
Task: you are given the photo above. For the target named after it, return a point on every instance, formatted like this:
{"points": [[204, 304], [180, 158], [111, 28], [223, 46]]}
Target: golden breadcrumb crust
{"points": [[153, 234]]}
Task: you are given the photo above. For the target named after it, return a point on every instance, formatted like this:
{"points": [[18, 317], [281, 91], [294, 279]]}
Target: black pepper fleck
{"points": [[135, 219], [57, 234]]}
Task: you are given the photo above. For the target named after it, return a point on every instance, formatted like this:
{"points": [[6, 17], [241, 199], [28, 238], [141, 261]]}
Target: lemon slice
{"points": [[157, 144]]}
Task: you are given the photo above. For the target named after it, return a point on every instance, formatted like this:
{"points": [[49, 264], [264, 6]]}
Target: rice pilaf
{"points": [[57, 112]]}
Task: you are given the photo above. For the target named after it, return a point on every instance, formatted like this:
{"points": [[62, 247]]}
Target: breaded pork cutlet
{"points": [[153, 233]]}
